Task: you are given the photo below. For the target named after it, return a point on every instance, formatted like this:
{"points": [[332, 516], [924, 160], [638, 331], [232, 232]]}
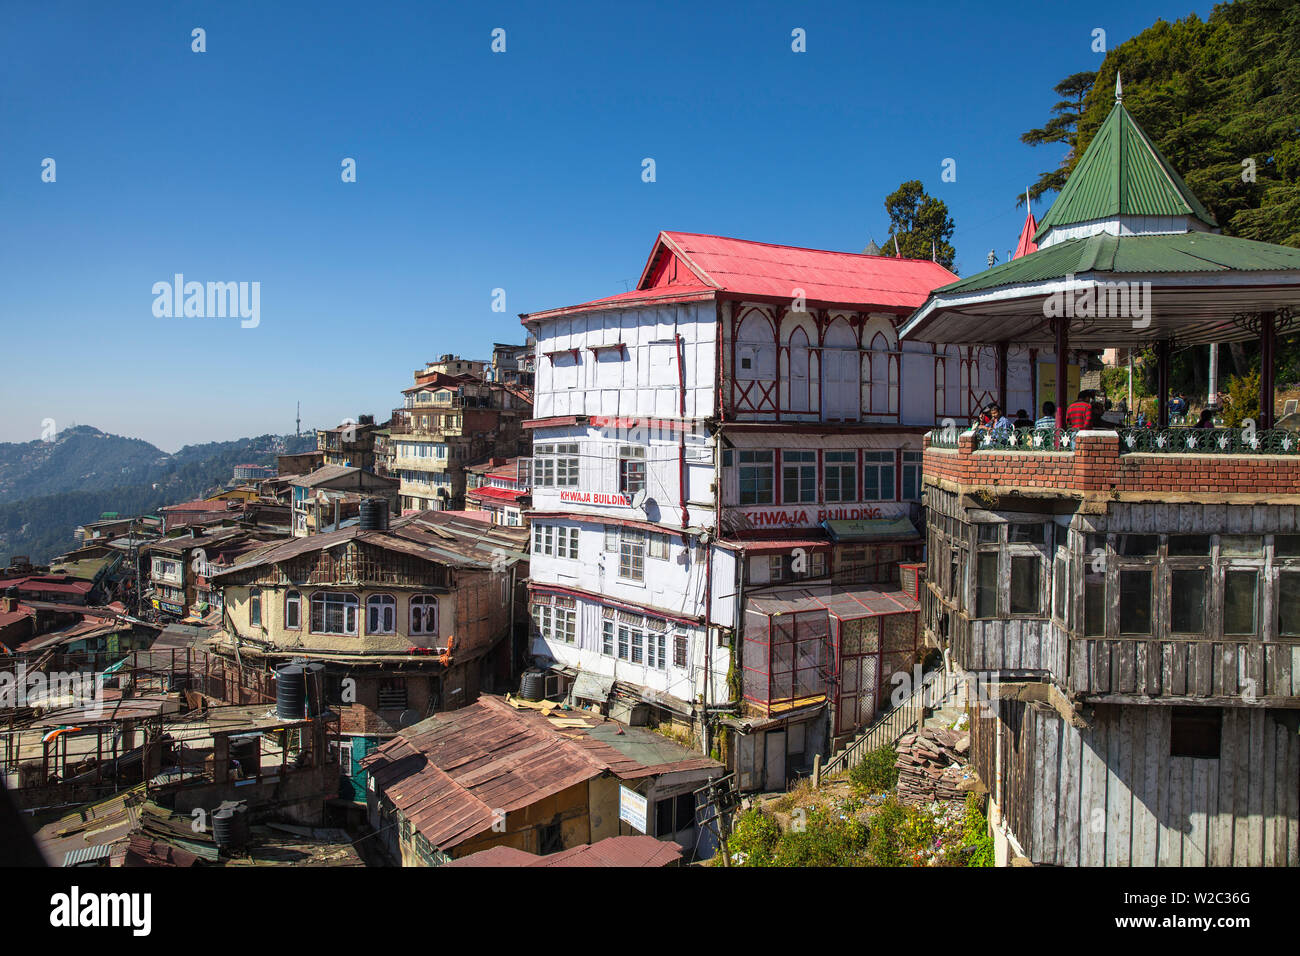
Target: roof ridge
{"points": [[786, 245]]}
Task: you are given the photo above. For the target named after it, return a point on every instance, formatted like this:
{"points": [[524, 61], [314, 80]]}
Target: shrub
{"points": [[1243, 399], [976, 841], [824, 838], [754, 837], [876, 772]]}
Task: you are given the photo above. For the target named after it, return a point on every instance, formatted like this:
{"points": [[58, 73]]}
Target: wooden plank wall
{"points": [[1112, 796], [1198, 669]]}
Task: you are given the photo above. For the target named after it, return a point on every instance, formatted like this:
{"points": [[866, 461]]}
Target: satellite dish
{"points": [[638, 500], [408, 717]]}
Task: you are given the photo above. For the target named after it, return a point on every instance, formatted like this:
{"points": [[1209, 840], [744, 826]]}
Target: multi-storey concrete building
{"points": [[743, 421], [445, 423], [1126, 601]]}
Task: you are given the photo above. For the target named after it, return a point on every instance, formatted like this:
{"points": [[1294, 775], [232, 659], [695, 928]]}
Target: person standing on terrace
{"points": [[1049, 416], [1079, 414]]}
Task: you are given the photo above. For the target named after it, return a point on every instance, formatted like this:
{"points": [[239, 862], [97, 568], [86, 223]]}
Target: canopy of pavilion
{"points": [[1122, 291], [1127, 257]]}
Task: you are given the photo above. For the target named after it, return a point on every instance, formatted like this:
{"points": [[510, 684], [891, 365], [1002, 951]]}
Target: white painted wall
{"points": [[640, 380]]}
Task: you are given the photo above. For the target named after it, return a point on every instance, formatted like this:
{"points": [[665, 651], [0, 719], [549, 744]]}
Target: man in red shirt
{"points": [[1079, 413]]}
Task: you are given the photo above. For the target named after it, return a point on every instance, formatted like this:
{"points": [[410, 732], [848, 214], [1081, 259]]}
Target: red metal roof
{"points": [[1026, 245], [510, 495], [46, 584], [451, 773], [611, 851], [686, 266]]}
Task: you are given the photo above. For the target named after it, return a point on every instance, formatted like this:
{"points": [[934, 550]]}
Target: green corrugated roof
{"points": [[1122, 173], [1177, 252]]}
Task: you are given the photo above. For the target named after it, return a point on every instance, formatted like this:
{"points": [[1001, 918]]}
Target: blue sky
{"points": [[475, 171]]}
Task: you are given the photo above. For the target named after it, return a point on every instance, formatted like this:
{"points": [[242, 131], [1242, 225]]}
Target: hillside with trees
{"points": [[47, 489]]}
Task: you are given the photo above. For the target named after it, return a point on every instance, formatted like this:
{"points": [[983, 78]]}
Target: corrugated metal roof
{"points": [[451, 773], [745, 267], [88, 854], [1189, 252], [713, 265], [612, 851], [445, 537], [616, 851], [844, 604], [1122, 173]]}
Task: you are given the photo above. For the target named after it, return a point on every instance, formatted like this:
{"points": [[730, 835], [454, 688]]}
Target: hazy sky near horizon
{"points": [[475, 171]]}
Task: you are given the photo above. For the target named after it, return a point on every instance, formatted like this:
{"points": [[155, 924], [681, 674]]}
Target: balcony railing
{"points": [[1007, 439], [1025, 439], [1208, 441]]}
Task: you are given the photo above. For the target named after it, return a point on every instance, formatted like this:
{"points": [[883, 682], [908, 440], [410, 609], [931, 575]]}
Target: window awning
{"points": [[871, 529]]}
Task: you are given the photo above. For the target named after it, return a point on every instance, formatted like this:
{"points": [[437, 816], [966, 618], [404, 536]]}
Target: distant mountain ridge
{"points": [[48, 488]]}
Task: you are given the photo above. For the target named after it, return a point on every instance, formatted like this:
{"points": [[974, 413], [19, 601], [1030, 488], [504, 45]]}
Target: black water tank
{"points": [[532, 686], [230, 826], [374, 514], [290, 691]]}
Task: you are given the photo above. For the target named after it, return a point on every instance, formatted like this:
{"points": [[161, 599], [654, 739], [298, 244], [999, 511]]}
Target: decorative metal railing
{"points": [[1025, 439], [945, 437], [1208, 441]]}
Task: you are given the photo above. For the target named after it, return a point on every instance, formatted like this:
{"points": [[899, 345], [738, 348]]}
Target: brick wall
{"points": [[1096, 465]]}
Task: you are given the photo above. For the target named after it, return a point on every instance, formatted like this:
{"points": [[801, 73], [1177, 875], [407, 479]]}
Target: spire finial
{"points": [[1119, 89]]}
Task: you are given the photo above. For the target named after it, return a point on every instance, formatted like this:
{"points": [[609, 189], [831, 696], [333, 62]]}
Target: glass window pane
{"points": [[1062, 585], [1137, 545], [1239, 602], [986, 585], [1288, 604], [1187, 610], [988, 532], [1189, 544], [1094, 606], [1286, 545], [1025, 597], [1027, 533], [1135, 602], [1241, 544]]}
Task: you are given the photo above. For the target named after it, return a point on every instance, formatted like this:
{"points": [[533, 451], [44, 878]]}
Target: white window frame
{"points": [[424, 601]]}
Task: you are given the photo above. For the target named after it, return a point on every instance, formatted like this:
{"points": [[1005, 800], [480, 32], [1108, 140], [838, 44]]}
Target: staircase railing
{"points": [[937, 687]]}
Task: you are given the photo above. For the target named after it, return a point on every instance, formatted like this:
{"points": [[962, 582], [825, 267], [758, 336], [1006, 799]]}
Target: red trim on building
{"points": [[603, 519]]}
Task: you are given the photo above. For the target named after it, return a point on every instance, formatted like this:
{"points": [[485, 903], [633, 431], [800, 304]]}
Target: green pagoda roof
{"points": [[1122, 173], [1177, 252]]}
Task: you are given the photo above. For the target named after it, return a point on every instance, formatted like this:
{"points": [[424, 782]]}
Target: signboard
{"points": [[1047, 385], [800, 516], [632, 808], [595, 498]]}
